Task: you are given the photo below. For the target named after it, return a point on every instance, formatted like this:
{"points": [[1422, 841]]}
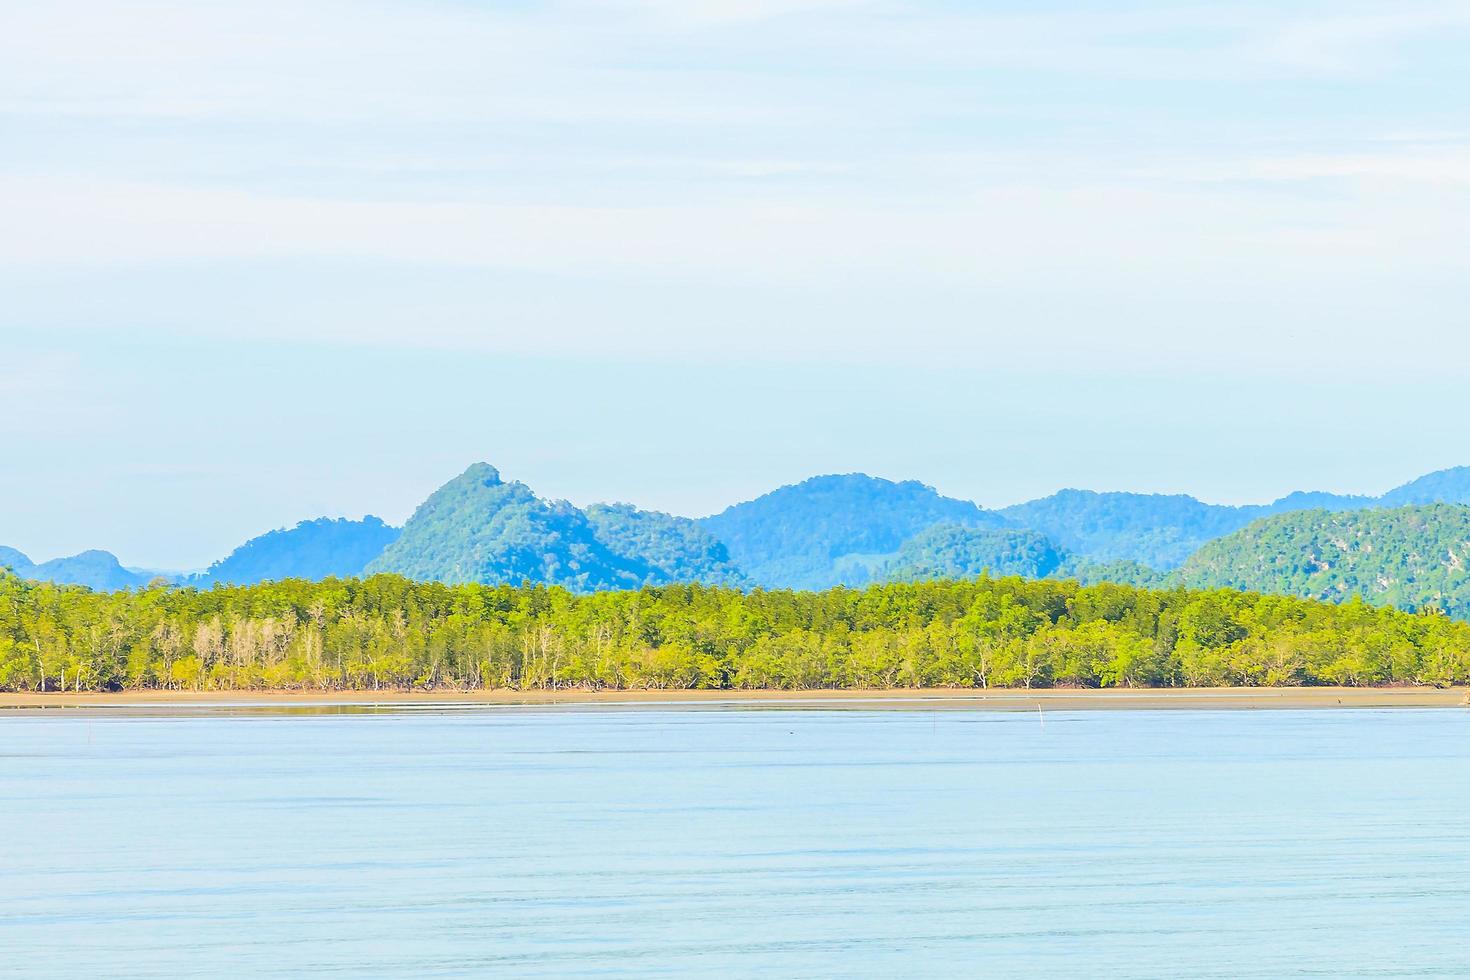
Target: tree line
{"points": [[388, 632]]}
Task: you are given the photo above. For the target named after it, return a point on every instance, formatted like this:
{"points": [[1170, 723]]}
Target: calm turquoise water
{"points": [[534, 842]]}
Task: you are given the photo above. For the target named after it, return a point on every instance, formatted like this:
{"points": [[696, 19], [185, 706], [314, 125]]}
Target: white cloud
{"points": [[793, 144], [999, 230]]}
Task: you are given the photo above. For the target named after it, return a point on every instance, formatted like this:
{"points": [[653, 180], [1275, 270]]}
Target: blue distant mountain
{"points": [[311, 550], [1451, 486], [1311, 500], [98, 570], [847, 529], [1159, 531], [1163, 531], [835, 530]]}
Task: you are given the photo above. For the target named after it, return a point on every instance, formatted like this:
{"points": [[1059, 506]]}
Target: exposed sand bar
{"points": [[911, 699]]}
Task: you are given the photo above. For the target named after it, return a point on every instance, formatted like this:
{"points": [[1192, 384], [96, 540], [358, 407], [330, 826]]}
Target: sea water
{"points": [[670, 841]]}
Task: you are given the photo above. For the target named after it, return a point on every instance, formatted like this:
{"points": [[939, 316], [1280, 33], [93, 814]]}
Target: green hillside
{"points": [[479, 528], [1162, 530], [1409, 557], [673, 549], [954, 551]]}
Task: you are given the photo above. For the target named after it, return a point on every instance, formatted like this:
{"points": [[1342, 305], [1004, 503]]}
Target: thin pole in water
{"points": [[1041, 715]]}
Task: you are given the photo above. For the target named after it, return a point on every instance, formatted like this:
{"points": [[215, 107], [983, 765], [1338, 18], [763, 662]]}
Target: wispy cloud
{"points": [[1001, 234], [437, 227], [825, 143]]}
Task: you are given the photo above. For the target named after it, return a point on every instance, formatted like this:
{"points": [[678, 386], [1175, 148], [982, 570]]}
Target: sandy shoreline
{"points": [[992, 700]]}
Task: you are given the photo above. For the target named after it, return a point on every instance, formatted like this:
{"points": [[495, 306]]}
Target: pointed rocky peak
{"points": [[481, 473]]}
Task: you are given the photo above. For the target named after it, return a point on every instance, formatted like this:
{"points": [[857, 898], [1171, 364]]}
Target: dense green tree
{"points": [[389, 632]]}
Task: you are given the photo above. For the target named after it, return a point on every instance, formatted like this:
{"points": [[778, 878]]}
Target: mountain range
{"points": [[99, 570], [1404, 547]]}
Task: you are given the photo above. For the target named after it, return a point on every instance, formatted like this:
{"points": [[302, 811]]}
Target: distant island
{"points": [[1407, 548]]}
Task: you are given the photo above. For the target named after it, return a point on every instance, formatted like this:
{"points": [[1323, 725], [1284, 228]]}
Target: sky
{"points": [[267, 261]]}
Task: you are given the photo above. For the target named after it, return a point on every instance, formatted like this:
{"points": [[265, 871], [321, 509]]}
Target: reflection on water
{"points": [[460, 840]]}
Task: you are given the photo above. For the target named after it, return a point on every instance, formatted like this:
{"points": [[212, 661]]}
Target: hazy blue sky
{"points": [[270, 260]]}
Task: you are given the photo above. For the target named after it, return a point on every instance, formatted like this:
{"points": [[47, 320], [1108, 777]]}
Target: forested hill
{"points": [[389, 632], [950, 551], [835, 530], [1161, 531], [479, 528], [671, 549], [1153, 529], [954, 551], [312, 549], [1410, 557]]}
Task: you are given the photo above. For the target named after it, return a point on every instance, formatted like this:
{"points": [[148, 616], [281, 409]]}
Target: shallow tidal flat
{"points": [[425, 839], [993, 699]]}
